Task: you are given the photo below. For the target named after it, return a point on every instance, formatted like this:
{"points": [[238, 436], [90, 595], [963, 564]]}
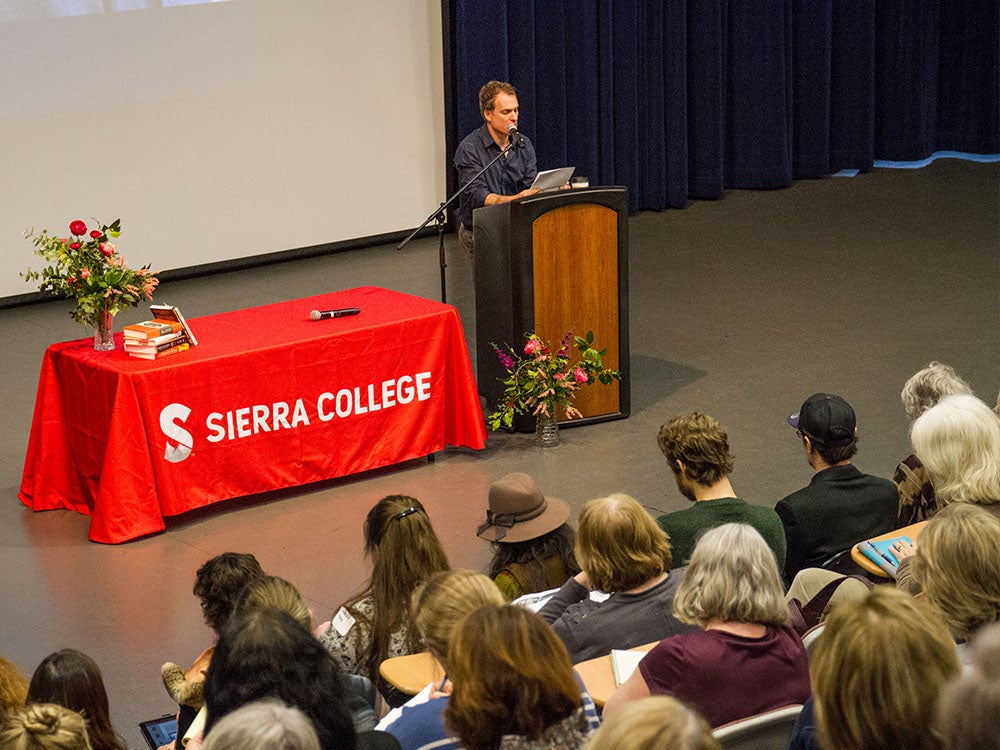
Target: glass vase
{"points": [[104, 337], [547, 429]]}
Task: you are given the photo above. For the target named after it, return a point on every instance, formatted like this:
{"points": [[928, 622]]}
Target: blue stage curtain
{"points": [[682, 99]]}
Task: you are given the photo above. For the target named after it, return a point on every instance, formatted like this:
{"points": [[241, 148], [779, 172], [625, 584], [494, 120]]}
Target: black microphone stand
{"points": [[438, 215]]}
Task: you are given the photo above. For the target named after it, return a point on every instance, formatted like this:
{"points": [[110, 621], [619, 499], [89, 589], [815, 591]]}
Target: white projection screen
{"points": [[217, 130]]}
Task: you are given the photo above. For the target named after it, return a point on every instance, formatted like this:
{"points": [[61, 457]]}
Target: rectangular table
{"points": [[268, 399]]}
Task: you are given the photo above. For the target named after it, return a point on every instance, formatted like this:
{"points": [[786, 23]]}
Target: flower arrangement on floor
{"points": [[87, 267], [540, 380]]}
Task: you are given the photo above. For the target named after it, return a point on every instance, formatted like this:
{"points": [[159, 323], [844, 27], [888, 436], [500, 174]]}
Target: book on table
{"points": [[173, 314], [158, 354], [624, 663], [154, 346], [881, 553], [151, 329]]}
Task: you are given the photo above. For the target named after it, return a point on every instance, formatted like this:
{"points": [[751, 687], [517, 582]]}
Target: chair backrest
{"points": [[770, 730], [810, 636]]}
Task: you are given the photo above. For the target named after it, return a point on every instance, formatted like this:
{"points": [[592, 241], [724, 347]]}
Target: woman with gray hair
{"points": [[746, 659], [263, 725], [958, 441], [917, 501]]}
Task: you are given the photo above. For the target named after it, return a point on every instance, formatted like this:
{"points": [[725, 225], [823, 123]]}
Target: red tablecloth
{"points": [[268, 399]]}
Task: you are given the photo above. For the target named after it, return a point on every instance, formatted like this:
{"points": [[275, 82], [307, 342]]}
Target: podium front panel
{"points": [[553, 263]]}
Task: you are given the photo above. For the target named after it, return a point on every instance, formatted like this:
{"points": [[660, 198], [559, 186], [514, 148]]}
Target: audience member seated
{"points": [[968, 707], [532, 543], [375, 625], [746, 659], [13, 687], [623, 553], [956, 563], [513, 684], [437, 607], [958, 441], [217, 585], [73, 680], [268, 654], [44, 726], [263, 725], [840, 506], [877, 670], [271, 592], [697, 451], [917, 501], [655, 723]]}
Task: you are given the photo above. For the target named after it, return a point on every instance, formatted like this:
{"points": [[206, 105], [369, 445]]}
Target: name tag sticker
{"points": [[343, 622]]}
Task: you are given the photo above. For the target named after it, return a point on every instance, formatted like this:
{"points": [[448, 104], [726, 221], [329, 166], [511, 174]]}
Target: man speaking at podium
{"points": [[507, 180]]}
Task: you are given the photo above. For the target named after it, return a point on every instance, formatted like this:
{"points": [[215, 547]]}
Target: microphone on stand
{"points": [[514, 137]]}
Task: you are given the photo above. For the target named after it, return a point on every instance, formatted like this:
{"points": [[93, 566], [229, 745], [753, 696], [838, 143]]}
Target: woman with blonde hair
{"points": [[13, 687], [375, 624], [514, 685], [44, 726], [957, 564], [437, 607], [622, 552], [746, 659], [877, 670], [917, 500], [655, 723]]}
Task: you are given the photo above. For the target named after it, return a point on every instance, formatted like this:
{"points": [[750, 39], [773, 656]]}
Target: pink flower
{"points": [[559, 376], [107, 249], [580, 375], [532, 346], [75, 246], [95, 233], [84, 273], [78, 228]]}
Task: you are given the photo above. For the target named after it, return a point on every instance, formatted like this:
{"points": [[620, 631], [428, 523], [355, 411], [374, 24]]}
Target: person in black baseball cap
{"points": [[840, 506]]}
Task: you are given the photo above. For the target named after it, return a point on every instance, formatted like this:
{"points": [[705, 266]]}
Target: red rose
{"points": [[74, 246], [95, 233], [78, 228], [71, 280], [107, 249]]}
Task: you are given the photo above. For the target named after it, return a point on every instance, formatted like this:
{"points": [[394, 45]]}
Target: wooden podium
{"points": [[553, 263]]}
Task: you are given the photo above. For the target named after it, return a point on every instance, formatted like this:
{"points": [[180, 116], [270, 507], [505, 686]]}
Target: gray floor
{"points": [[740, 308]]}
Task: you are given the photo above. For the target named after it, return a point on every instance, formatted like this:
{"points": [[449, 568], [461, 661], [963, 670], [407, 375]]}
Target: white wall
{"points": [[217, 130]]}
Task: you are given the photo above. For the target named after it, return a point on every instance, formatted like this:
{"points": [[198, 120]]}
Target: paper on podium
{"points": [[552, 179]]}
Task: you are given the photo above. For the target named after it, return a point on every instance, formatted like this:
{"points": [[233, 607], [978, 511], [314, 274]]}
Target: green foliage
{"points": [[539, 380], [85, 266]]}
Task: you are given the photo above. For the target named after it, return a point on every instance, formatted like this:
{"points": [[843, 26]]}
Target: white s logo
{"points": [[170, 428]]}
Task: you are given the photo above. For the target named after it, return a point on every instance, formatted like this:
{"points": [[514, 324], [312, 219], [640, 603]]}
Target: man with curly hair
{"points": [[696, 447]]}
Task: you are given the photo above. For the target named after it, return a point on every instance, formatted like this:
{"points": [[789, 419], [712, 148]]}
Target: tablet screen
{"points": [[160, 731]]}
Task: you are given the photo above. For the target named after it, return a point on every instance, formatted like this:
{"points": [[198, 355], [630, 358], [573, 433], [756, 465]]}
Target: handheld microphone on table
{"points": [[339, 313], [516, 138]]}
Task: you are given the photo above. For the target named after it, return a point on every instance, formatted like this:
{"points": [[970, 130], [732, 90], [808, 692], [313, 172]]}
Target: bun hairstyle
{"points": [[44, 726]]}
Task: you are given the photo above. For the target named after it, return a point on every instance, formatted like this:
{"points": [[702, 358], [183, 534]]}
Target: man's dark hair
{"points": [[488, 94], [218, 584], [834, 454], [269, 654]]}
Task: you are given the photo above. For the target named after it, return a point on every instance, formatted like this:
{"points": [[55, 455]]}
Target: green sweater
{"points": [[684, 526]]}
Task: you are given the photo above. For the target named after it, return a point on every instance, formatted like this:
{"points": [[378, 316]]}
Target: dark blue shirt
{"points": [[509, 176]]}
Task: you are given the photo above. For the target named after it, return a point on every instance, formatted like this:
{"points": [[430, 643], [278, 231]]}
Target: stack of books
{"points": [[166, 334]]}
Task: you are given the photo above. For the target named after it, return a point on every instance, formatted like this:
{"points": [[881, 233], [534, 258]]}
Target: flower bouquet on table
{"points": [[86, 266], [542, 379]]}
